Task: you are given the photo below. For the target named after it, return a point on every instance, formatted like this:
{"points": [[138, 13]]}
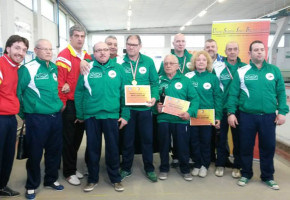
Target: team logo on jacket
{"points": [[270, 76], [128, 70], [195, 84], [225, 77], [95, 75], [41, 76], [112, 74], [207, 86], [251, 77], [164, 85], [178, 85], [54, 76], [188, 65], [142, 70]]}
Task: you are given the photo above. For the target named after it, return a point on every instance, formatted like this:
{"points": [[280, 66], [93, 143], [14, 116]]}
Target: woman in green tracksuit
{"points": [[178, 86], [210, 94]]}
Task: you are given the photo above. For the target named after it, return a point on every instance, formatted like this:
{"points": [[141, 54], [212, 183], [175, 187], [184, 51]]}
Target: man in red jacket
{"points": [[68, 62], [14, 53]]}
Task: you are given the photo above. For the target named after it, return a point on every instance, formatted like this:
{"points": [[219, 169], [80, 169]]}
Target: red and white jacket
{"points": [[68, 64], [9, 103]]}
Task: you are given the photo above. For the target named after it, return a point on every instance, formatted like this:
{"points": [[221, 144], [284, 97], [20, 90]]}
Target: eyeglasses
{"points": [[132, 45], [169, 63], [44, 49], [100, 50]]}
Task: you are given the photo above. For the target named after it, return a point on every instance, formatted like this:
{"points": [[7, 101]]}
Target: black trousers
{"points": [[72, 138]]}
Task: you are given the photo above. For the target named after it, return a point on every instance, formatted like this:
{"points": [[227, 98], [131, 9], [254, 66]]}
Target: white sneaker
{"points": [[73, 179], [195, 171], [79, 175], [236, 173], [202, 172], [163, 175], [219, 171], [90, 186]]}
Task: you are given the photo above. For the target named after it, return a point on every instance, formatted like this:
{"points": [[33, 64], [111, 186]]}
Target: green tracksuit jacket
{"points": [[225, 73], [258, 91], [146, 75], [187, 56], [207, 87], [178, 87], [37, 88], [100, 93]]}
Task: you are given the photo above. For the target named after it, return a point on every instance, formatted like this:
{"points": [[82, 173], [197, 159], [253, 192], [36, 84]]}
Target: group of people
{"points": [[86, 92]]}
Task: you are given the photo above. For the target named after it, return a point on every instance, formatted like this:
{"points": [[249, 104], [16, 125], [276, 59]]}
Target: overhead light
{"points": [[128, 23], [182, 28], [202, 13], [130, 0], [129, 13], [220, 1], [188, 23], [128, 28]]}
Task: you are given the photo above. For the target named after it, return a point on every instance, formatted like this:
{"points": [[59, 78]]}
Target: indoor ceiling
{"points": [[166, 15]]}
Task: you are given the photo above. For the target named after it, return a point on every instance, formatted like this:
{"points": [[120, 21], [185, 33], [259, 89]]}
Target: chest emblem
{"points": [[142, 70], [112, 74], [270, 76], [178, 85], [207, 86]]}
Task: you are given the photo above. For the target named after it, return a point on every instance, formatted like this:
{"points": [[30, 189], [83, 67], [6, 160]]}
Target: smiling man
{"points": [[15, 51], [258, 91]]}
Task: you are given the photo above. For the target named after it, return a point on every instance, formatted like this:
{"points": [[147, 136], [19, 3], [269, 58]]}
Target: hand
{"points": [[184, 116], [123, 122], [159, 107], [84, 67], [63, 108], [232, 120], [151, 103], [79, 121], [65, 88], [280, 119], [217, 124]]}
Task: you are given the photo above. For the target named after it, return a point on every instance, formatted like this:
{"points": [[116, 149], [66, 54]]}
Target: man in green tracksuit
{"points": [[225, 73], [140, 70], [184, 58], [258, 91], [181, 53], [40, 107], [178, 86], [99, 97]]}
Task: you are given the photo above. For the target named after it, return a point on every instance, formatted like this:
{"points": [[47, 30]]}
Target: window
{"points": [[154, 41], [192, 41], [62, 30], [280, 44], [27, 3], [71, 23], [47, 9]]}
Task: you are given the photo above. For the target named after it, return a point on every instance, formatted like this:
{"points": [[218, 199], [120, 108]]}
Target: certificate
{"points": [[204, 117], [137, 95], [174, 106]]}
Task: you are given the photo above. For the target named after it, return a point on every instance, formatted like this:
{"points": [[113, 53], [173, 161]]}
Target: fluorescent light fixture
{"points": [[202, 13], [182, 28], [128, 23], [188, 23], [129, 13], [130, 0], [220, 1], [128, 28]]}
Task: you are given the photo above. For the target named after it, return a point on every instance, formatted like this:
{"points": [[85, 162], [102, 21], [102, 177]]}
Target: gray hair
{"points": [[39, 41], [76, 27], [110, 37]]}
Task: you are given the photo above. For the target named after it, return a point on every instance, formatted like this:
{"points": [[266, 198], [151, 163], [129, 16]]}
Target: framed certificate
{"points": [[205, 117], [175, 106], [137, 95]]}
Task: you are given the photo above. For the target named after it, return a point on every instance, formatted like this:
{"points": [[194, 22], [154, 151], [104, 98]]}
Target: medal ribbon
{"points": [[134, 72], [181, 70]]}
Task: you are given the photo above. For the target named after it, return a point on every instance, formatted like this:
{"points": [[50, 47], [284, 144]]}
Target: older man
{"points": [[40, 107], [225, 73], [258, 91], [99, 96], [68, 62], [140, 70], [181, 53], [211, 47], [178, 86], [112, 43], [14, 53]]}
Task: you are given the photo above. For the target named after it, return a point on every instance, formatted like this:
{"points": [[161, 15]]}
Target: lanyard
{"points": [[181, 70], [229, 72], [134, 72]]}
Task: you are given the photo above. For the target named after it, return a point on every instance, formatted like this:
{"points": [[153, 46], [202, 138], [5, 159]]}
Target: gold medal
{"points": [[134, 82]]}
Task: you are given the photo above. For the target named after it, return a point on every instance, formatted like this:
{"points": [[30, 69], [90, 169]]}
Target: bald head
{"points": [[179, 44], [101, 52], [43, 49], [170, 64], [232, 51]]}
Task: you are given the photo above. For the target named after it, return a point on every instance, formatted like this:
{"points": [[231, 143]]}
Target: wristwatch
{"points": [[229, 113]]}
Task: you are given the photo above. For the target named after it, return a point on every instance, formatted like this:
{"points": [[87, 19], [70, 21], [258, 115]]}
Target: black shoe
{"points": [[7, 192]]}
